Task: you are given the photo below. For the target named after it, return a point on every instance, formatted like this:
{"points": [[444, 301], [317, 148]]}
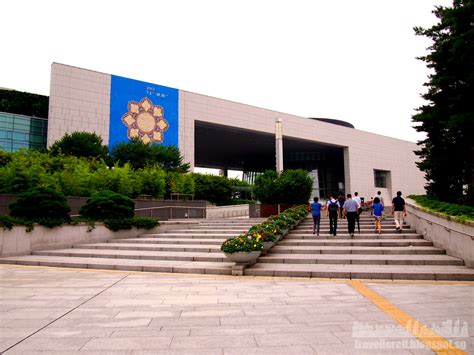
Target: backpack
{"points": [[332, 207]]}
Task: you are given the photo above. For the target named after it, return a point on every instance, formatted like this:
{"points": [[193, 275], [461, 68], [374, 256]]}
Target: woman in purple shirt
{"points": [[377, 207]]}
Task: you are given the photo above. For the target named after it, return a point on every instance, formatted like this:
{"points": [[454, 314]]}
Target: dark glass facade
{"points": [[18, 131]]}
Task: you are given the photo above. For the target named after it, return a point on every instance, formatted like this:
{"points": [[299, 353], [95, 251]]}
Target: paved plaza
{"points": [[54, 311]]}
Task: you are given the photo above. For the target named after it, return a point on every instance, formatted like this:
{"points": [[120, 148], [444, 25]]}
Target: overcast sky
{"points": [[348, 60]]}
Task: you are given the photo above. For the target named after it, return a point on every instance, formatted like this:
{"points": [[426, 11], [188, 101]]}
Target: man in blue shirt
{"points": [[316, 212]]}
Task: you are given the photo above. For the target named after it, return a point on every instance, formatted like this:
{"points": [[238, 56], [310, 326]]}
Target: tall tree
{"points": [[80, 144], [139, 155], [448, 117]]}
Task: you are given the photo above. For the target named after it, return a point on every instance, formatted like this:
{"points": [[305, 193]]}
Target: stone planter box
{"points": [[267, 246], [243, 257]]}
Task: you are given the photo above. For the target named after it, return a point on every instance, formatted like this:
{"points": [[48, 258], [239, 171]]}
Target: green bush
{"points": [[80, 144], [215, 189], [150, 181], [116, 224], [43, 205], [459, 212], [266, 187], [107, 205], [290, 187], [179, 183], [295, 187]]}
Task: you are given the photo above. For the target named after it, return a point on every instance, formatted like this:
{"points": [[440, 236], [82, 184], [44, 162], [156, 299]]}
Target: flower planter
{"points": [[267, 246], [243, 257]]}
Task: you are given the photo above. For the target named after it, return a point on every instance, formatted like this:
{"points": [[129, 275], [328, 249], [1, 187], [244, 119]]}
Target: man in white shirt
{"points": [[357, 199]]}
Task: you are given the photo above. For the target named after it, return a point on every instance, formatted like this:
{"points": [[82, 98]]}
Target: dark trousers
{"points": [[316, 220], [333, 223], [351, 218]]}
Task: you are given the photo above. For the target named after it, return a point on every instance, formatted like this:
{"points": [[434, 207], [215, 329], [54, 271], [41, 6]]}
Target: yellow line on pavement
{"points": [[430, 338]]}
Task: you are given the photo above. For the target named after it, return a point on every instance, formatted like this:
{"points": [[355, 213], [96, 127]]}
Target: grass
{"points": [[461, 213]]}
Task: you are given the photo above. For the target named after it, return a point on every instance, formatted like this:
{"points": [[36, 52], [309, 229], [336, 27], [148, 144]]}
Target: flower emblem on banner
{"points": [[145, 121]]}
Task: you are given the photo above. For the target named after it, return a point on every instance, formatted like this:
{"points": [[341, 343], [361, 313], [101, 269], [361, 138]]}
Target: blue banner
{"points": [[142, 110]]}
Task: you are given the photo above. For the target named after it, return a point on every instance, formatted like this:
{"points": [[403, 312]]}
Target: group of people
{"points": [[351, 207]]}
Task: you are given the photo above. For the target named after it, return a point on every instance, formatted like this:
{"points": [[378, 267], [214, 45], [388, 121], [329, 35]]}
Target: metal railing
{"points": [[170, 208]]}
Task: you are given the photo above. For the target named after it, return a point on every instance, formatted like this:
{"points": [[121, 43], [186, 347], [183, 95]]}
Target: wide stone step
{"points": [[171, 241], [190, 236], [135, 254], [345, 235], [153, 247], [361, 259], [207, 231], [226, 221], [345, 230], [355, 242], [344, 222], [368, 250], [169, 266], [349, 271]]}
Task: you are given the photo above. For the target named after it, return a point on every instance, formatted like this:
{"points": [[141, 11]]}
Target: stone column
{"points": [[279, 145]]}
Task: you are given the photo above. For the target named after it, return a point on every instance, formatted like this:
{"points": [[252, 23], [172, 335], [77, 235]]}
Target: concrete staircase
{"points": [[390, 255], [177, 251]]}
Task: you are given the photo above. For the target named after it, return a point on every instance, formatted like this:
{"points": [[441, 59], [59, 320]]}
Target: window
{"points": [[381, 178]]}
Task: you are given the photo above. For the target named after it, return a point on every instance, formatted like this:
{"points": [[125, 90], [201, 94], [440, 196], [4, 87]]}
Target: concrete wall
{"points": [[227, 211], [456, 238], [19, 242], [79, 101]]}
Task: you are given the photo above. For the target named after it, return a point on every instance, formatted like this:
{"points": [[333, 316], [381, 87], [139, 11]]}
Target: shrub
{"points": [[266, 188], [116, 224], [458, 212], [179, 183], [117, 179], [80, 144], [291, 187], [108, 205], [215, 189], [295, 187], [150, 181], [43, 205]]}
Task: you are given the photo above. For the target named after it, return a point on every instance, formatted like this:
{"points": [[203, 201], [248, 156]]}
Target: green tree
{"points": [[80, 144], [39, 203], [295, 187], [266, 187], [215, 189], [291, 187], [150, 181], [139, 155], [448, 117]]}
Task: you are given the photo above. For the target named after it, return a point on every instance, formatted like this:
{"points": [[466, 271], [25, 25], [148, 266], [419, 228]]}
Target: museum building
{"points": [[217, 133]]}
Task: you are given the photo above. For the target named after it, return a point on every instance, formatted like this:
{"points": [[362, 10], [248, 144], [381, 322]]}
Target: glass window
{"points": [[380, 177]]}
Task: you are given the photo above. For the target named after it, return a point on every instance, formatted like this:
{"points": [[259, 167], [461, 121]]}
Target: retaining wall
{"points": [[19, 242], [455, 237]]}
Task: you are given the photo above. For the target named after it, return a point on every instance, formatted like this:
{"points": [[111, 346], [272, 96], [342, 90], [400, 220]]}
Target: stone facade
{"points": [[80, 99]]}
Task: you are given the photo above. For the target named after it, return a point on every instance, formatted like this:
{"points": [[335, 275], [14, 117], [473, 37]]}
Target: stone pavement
{"points": [[66, 311]]}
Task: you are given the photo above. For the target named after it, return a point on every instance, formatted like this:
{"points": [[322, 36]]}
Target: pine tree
{"points": [[448, 117]]}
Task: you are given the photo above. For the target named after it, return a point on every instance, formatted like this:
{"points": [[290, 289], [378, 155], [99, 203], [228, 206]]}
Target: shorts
{"points": [[378, 218]]}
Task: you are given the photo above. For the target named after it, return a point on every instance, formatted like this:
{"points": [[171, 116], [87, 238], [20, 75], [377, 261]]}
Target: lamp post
{"points": [[279, 145]]}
